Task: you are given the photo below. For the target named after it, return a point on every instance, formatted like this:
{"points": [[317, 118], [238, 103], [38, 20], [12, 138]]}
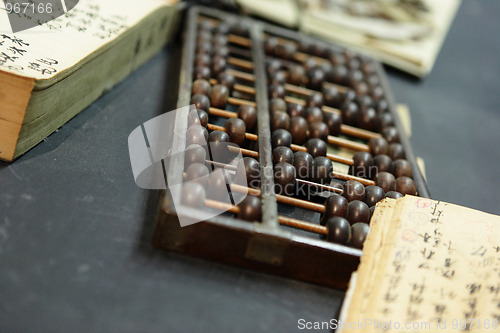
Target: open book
{"points": [[51, 72], [426, 266]]}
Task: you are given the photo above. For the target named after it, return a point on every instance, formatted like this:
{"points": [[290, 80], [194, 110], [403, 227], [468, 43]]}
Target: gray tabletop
{"points": [[75, 231]]}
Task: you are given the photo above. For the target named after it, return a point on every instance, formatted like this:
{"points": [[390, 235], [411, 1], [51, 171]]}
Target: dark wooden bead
{"points": [[201, 102], [319, 50], [298, 129], [396, 151], [373, 194], [218, 136], [315, 99], [284, 178], [222, 51], [219, 40], [219, 64], [358, 211], [223, 28], [280, 120], [303, 163], [202, 59], [406, 185], [193, 118], [332, 97], [277, 77], [196, 135], [339, 230], [353, 190], [205, 26], [217, 187], [335, 205], [361, 88], [295, 109], [248, 114], [276, 91], [193, 195], [282, 154], [202, 72], [194, 154], [336, 58], [391, 134], [334, 123], [316, 147], [362, 164], [203, 117], [198, 172], [322, 170], [309, 64], [338, 75], [241, 28], [382, 163], [250, 209], [386, 181], [252, 171], [281, 137], [393, 195], [359, 232], [354, 64], [305, 46], [313, 114], [235, 128], [218, 96], [318, 130], [277, 104], [383, 120], [226, 79], [201, 87], [367, 118], [315, 76], [354, 77], [296, 75], [401, 168], [273, 65], [271, 45], [204, 46], [378, 146], [288, 50], [350, 113], [203, 36], [373, 80], [377, 93]]}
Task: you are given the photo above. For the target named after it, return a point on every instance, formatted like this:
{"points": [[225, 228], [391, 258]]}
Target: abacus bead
{"points": [[393, 195], [390, 133], [282, 154], [280, 120], [316, 76], [298, 129], [277, 104], [359, 233], [289, 50], [219, 64], [296, 75], [219, 40], [383, 120], [250, 209], [273, 65], [338, 74], [362, 164], [314, 114], [318, 130], [193, 118], [202, 72], [202, 59], [276, 91], [218, 145], [205, 26], [296, 110], [315, 99], [366, 119], [271, 45], [358, 211], [378, 146], [350, 113], [316, 147], [339, 230], [373, 194], [354, 190], [203, 116], [194, 154], [277, 77], [396, 151], [196, 135], [201, 102], [281, 137], [386, 181], [252, 171], [405, 185], [222, 51], [303, 163], [248, 114], [382, 163], [382, 106], [217, 187], [332, 96], [319, 50], [198, 173], [235, 128], [193, 195], [223, 28], [201, 86], [401, 168], [335, 205], [218, 96], [284, 178], [322, 170], [334, 123], [226, 79], [218, 136]]}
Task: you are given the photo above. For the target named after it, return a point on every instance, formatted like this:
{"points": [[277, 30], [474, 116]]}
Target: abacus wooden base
{"points": [[254, 246]]}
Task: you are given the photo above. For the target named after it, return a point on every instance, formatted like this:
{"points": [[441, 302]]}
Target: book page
{"points": [[440, 272], [48, 49]]}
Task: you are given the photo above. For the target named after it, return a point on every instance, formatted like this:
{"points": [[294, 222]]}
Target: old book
{"points": [[51, 72], [426, 266]]}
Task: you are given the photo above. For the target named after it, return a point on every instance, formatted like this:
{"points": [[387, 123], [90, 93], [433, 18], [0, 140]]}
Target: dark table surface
{"points": [[75, 231]]}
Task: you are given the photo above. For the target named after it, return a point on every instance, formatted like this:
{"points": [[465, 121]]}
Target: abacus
{"points": [[318, 140]]}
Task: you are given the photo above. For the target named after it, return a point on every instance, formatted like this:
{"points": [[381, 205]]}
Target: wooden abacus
{"points": [[247, 80]]}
